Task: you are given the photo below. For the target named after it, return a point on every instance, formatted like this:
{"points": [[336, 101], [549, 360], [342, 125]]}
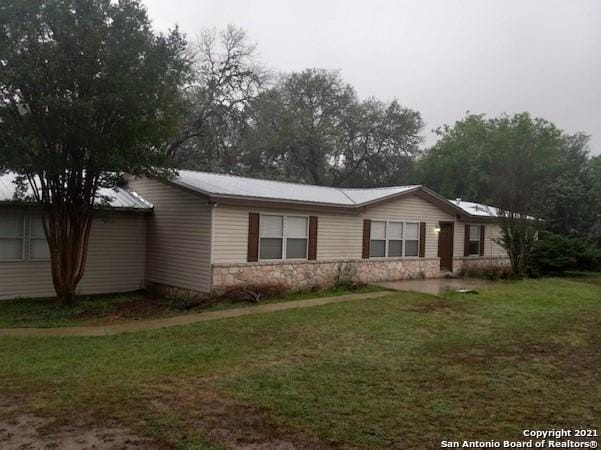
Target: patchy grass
{"points": [[107, 309], [402, 371]]}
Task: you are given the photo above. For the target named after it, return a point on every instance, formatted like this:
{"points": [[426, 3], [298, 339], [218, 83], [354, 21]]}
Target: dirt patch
{"points": [[141, 307], [231, 423], [197, 409], [21, 429], [27, 431]]}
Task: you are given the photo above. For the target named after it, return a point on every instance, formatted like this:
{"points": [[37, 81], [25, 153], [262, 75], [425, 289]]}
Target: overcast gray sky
{"points": [[441, 58]]}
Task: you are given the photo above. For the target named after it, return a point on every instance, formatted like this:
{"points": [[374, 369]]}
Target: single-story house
{"points": [[203, 232]]}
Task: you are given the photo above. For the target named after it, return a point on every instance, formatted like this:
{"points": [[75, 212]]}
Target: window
{"points": [[272, 236], [38, 245], [296, 237], [474, 244], [411, 239], [377, 245], [12, 237], [393, 239], [283, 235]]}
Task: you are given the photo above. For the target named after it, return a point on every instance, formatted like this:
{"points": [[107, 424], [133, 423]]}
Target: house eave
{"points": [[34, 206]]}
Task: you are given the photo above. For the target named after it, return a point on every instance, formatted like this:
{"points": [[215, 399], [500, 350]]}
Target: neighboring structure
{"points": [[204, 232]]}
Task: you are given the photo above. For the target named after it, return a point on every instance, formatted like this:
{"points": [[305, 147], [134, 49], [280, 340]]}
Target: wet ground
{"points": [[435, 286]]}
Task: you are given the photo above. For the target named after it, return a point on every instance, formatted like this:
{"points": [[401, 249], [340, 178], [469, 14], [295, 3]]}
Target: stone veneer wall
{"points": [[479, 262], [321, 273]]}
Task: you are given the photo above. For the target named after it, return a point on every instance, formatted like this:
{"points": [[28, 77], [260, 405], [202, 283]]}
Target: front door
{"points": [[445, 246]]}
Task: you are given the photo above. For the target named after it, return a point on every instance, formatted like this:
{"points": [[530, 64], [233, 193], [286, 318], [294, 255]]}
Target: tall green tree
{"points": [[311, 127], [87, 92], [570, 207], [524, 165], [476, 155], [594, 165]]}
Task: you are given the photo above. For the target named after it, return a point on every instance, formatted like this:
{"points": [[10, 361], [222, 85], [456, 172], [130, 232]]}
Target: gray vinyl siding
{"points": [[116, 262], [179, 236]]}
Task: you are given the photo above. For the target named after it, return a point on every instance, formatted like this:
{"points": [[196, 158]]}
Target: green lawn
{"points": [[106, 309], [404, 371]]}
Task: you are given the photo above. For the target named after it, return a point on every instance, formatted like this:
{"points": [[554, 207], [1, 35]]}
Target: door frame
{"points": [[452, 224]]}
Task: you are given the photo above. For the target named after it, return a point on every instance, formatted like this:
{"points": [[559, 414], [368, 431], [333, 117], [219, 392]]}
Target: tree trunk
{"points": [[68, 236]]}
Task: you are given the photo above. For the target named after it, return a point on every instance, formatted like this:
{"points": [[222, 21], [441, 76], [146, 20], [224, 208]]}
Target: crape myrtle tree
{"points": [[88, 92]]}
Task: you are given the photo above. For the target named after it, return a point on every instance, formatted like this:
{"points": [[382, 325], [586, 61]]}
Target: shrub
{"points": [[589, 259], [555, 254]]}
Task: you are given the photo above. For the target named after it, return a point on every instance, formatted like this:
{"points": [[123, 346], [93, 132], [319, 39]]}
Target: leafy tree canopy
{"points": [[311, 127], [521, 160]]}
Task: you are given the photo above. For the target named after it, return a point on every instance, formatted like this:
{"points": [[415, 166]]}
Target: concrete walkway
{"points": [[142, 325]]}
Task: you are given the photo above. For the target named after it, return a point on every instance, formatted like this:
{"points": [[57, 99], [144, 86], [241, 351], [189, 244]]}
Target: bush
{"points": [[554, 254], [589, 260]]}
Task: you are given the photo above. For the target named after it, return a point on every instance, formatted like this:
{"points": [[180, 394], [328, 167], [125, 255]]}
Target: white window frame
{"points": [[285, 236], [403, 238], [30, 238], [479, 240], [23, 239]]}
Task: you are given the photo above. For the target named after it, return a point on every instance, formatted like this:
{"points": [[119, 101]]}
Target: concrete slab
{"points": [[434, 286]]}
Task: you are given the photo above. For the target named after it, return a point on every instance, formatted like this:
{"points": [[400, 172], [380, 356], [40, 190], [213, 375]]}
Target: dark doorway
{"points": [[445, 245]]}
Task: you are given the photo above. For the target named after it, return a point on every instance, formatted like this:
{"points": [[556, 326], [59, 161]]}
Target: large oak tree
{"points": [[312, 127], [87, 92]]}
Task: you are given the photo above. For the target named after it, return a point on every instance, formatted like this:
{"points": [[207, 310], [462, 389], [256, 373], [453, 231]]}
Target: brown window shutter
{"points": [[466, 241], [312, 253], [482, 240], [422, 239], [366, 237], [253, 237]]}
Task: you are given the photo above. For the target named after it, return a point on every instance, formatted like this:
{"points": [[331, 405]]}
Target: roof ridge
{"points": [[341, 189], [256, 179], [382, 187]]}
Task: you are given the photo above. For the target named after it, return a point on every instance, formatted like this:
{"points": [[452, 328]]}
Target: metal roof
{"points": [[117, 197], [219, 185], [476, 209], [232, 186]]}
